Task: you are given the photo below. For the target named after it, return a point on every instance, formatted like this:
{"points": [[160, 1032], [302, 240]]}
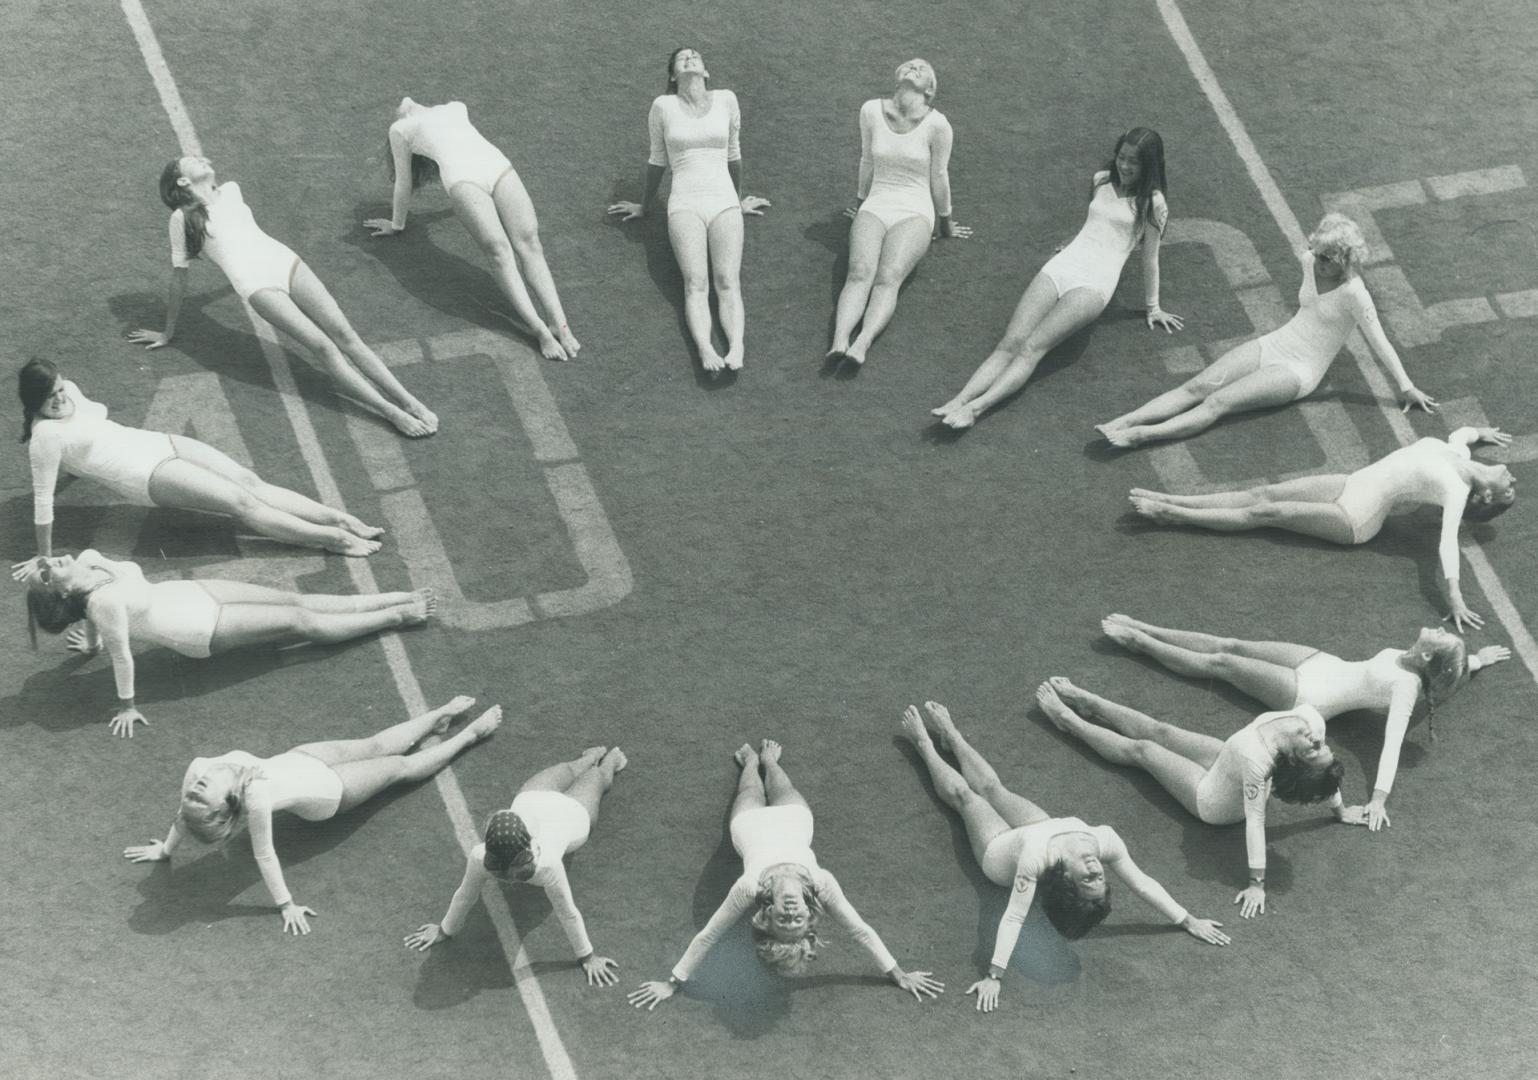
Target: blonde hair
{"points": [[215, 824], [783, 957], [1338, 237], [934, 80]]}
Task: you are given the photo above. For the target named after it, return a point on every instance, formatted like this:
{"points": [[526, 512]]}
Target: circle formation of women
{"points": [[1062, 866]]}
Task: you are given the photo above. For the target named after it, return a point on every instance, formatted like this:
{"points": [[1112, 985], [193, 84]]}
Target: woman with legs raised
{"points": [[782, 885], [196, 618], [1021, 847], [551, 817], [1281, 675], [66, 431], [213, 219], [438, 142], [1221, 782], [315, 781]]}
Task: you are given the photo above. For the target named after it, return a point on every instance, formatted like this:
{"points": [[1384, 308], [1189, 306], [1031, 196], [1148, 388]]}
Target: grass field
{"points": [[799, 555]]}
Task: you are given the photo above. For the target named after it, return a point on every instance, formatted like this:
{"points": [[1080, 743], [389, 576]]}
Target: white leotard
{"points": [[1239, 781], [1308, 343], [1423, 473], [697, 150], [87, 444], [296, 782], [1017, 858], [1335, 686], [898, 164], [1095, 257], [558, 825], [445, 134], [766, 837], [250, 258]]}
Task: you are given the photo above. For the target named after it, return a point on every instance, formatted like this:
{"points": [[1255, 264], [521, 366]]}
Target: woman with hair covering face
{"points": [[782, 885], [1222, 782], [550, 817], [1126, 207], [1288, 363], [1016, 842], [1351, 508], [315, 781], [1283, 676]]}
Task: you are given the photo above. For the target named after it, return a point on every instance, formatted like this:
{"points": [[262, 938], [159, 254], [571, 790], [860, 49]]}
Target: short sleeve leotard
{"points": [[1095, 257], [899, 164], [1017, 858], [697, 149], [1307, 344], [85, 443], [180, 615], [463, 155], [1335, 686], [1244, 764], [772, 836], [250, 258]]}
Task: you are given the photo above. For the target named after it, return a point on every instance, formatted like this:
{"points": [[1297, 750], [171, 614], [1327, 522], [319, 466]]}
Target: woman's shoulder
{"points": [[723, 94], [1101, 176]]}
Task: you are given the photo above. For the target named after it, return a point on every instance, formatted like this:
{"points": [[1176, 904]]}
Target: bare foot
{"points": [[447, 714], [733, 358], [550, 348], [1051, 703], [836, 355], [422, 413], [615, 760], [422, 606], [1106, 429], [486, 723], [357, 528], [856, 352], [913, 726], [354, 547], [569, 343], [746, 756], [960, 418], [1076, 697], [411, 426], [1119, 630], [949, 407], [592, 755], [711, 360], [939, 722], [1153, 511], [769, 751], [1127, 438]]}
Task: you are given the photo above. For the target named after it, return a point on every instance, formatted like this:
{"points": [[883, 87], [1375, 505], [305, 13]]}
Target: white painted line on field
{"points": [[1522, 642], [410, 690]]}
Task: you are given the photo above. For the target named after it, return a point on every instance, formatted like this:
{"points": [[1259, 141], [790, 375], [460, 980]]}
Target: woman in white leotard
{"points": [[782, 885], [551, 817], [1351, 508], [1126, 205], [315, 782], [1281, 675], [65, 430], [1288, 363], [1222, 782], [694, 131], [1022, 848], [213, 219], [438, 142], [200, 618], [905, 184]]}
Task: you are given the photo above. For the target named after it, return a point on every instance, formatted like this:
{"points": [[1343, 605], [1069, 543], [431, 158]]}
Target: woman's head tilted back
{"points": [[1441, 659], [214, 801], [424, 170], [1074, 900], [684, 58], [785, 918], [1337, 239], [55, 598], [509, 847], [176, 192], [1306, 770], [920, 75], [35, 384], [1492, 493]]}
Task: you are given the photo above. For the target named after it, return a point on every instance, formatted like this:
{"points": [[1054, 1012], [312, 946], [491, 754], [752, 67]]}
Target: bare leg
{"points": [[516, 210], [1261, 389], [187, 486], [692, 250], [724, 239], [221, 464], [241, 592], [593, 784], [865, 237], [1178, 775], [478, 213], [391, 741], [1202, 749], [1040, 297], [777, 786], [983, 823], [562, 776], [1276, 685], [1016, 810], [905, 244], [1073, 311], [1234, 364], [362, 780], [1323, 521], [750, 786], [242, 625]]}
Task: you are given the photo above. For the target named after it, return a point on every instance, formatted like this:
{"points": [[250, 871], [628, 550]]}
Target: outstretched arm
{"points": [[259, 821], [1158, 897], [109, 620], [400, 195], [941, 142], [45, 455], [1454, 498], [987, 988], [1153, 237], [737, 903], [917, 983], [176, 289], [469, 891], [1252, 900], [1366, 315], [656, 165], [599, 969], [155, 850]]}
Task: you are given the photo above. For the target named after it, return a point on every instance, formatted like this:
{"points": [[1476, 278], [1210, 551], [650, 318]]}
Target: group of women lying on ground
{"points": [[905, 198]]}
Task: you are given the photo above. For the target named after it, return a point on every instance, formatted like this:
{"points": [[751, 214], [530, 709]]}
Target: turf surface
{"points": [[809, 554]]}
